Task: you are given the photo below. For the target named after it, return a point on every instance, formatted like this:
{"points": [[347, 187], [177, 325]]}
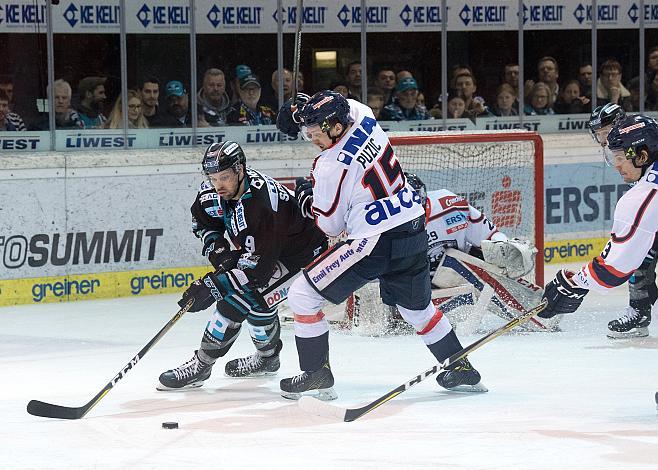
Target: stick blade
{"points": [[48, 410], [322, 408]]}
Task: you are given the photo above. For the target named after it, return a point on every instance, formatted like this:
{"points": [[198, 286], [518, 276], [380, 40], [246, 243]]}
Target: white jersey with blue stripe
{"points": [[452, 223], [358, 185], [633, 233]]}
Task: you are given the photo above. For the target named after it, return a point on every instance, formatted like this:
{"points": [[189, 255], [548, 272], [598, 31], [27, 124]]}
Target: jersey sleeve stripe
{"points": [[638, 218], [334, 205], [605, 275], [475, 221]]}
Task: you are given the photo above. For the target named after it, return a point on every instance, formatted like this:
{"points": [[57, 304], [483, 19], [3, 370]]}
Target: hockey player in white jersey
{"points": [[642, 290], [633, 142], [359, 189], [451, 222], [491, 268]]}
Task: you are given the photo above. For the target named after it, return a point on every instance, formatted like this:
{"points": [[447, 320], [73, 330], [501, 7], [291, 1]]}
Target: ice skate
{"points": [[632, 324], [319, 383], [255, 365], [461, 377], [192, 374]]}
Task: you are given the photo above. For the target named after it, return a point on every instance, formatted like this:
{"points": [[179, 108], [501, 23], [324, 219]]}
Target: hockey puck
{"points": [[170, 425]]}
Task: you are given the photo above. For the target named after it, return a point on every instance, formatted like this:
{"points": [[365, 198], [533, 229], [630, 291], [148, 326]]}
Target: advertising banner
{"points": [[261, 16]]}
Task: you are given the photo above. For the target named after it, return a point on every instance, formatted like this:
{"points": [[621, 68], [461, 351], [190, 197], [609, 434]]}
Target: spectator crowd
{"points": [[394, 95]]}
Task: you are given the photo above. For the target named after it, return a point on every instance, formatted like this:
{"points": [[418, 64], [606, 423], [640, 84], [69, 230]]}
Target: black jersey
{"points": [[265, 222]]}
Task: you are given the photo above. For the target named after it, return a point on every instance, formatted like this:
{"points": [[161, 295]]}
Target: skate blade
{"points": [[634, 333], [164, 388], [251, 376], [465, 388], [324, 394]]}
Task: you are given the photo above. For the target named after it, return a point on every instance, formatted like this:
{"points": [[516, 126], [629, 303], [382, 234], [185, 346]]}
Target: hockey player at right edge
{"points": [[359, 189], [642, 290], [633, 142]]}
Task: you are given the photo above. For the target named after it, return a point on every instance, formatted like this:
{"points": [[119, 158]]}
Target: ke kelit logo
{"points": [[650, 12], [163, 15], [420, 15], [312, 15], [607, 13], [19, 14], [234, 16], [376, 14], [483, 14], [92, 14], [545, 14], [58, 249]]}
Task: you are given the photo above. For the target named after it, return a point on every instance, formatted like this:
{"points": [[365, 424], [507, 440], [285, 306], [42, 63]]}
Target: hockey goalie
{"points": [[477, 271]]}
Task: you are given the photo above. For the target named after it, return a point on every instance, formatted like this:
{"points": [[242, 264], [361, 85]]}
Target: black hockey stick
{"points": [[298, 48], [322, 408], [47, 410]]}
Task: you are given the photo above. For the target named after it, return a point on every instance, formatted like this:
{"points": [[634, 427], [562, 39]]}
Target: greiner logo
{"points": [[102, 247]]}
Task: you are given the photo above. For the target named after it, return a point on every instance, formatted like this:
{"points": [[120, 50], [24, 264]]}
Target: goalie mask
{"points": [[416, 183]]}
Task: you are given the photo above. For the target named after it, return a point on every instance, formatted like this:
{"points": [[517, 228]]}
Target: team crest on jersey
{"points": [[447, 202]]}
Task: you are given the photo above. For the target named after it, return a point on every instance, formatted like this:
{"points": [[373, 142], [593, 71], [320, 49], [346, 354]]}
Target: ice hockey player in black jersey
{"points": [[271, 241]]}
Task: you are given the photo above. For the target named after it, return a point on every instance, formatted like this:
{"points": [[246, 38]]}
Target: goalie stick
{"points": [[318, 407], [48, 410]]}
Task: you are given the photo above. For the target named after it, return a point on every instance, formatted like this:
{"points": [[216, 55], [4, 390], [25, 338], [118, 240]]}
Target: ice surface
{"points": [[557, 400]]}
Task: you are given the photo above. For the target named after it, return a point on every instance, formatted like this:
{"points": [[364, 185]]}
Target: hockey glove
{"points": [[205, 291], [562, 295], [304, 195], [216, 248], [289, 118]]}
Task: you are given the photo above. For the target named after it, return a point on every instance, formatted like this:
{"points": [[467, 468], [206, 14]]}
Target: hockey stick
{"points": [[47, 410], [298, 48], [322, 408]]}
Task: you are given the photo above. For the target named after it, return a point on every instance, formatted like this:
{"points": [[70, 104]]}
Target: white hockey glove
{"points": [[516, 256]]}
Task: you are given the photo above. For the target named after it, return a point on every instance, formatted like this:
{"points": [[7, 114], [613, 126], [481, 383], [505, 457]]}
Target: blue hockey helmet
{"points": [[631, 135], [416, 183], [325, 109], [222, 156], [602, 117]]}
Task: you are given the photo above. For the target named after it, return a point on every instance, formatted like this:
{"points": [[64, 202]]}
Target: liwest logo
{"points": [[483, 14], [92, 14], [21, 143], [163, 15], [187, 139], [102, 247], [19, 14], [375, 14], [234, 16], [420, 15]]}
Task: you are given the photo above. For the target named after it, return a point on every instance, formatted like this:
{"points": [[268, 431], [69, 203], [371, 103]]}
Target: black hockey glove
{"points": [[304, 195], [218, 251], [562, 295], [205, 292], [289, 120]]}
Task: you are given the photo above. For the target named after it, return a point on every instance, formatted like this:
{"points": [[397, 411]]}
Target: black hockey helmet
{"points": [[603, 116], [222, 156], [325, 109], [632, 134], [416, 183]]}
